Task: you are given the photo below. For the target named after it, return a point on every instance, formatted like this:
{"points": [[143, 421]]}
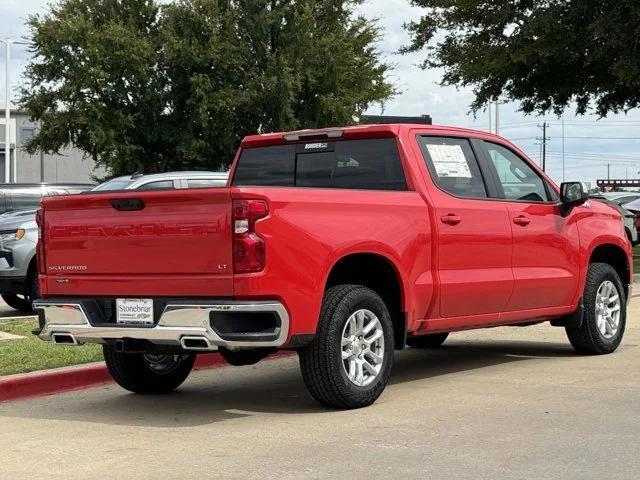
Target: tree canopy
{"points": [[144, 86], [544, 54]]}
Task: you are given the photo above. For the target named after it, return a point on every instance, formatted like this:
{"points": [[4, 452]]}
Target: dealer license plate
{"points": [[134, 311]]}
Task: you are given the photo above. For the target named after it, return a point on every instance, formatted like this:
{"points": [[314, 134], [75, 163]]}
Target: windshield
{"points": [[115, 184]]}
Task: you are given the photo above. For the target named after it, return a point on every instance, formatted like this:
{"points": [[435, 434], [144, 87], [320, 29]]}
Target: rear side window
{"points": [[205, 182], [453, 166], [351, 164], [159, 185]]}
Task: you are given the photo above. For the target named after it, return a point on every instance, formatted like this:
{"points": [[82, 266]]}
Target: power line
{"points": [[606, 138], [599, 154], [576, 138]]}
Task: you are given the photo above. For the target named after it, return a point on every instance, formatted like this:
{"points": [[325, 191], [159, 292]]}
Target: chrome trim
{"points": [[208, 347], [176, 321]]}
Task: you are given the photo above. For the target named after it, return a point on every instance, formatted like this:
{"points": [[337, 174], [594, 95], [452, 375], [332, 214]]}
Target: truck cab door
{"points": [[546, 260], [474, 243]]}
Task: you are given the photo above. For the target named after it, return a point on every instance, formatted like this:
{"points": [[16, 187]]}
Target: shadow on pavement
{"points": [[276, 387]]}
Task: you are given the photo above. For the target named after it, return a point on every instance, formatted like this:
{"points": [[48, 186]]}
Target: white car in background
{"points": [[169, 180]]}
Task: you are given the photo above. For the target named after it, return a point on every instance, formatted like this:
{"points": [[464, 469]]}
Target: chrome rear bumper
{"points": [[179, 325]]}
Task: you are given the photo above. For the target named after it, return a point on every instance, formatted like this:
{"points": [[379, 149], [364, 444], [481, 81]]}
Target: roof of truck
{"points": [[355, 131]]}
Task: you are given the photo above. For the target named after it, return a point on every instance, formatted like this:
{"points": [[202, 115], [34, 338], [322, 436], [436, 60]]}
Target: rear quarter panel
{"points": [[309, 230]]}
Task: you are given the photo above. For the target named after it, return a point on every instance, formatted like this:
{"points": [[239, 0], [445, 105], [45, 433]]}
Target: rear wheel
{"points": [[349, 362], [434, 340], [146, 373], [605, 312]]}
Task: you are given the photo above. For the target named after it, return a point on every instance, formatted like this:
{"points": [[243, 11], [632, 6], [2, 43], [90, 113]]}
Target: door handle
{"points": [[451, 219], [522, 221]]}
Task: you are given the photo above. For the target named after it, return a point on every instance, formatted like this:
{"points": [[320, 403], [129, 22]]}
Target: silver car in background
{"points": [[161, 181], [19, 232], [619, 201], [18, 236]]}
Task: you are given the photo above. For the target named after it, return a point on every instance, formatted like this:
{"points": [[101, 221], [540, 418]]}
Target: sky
{"points": [[590, 144]]}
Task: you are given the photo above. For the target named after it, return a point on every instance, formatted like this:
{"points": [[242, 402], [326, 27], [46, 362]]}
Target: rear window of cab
{"points": [[368, 164]]}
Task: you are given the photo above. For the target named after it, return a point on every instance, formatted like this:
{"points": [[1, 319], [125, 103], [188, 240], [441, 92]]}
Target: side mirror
{"points": [[571, 195]]}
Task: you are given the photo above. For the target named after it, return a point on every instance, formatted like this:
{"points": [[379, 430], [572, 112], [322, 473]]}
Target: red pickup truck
{"points": [[341, 244]]}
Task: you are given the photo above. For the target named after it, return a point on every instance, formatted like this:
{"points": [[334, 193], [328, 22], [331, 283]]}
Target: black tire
{"points": [[433, 340], [132, 371], [19, 303], [588, 339], [321, 362], [23, 302], [33, 289]]}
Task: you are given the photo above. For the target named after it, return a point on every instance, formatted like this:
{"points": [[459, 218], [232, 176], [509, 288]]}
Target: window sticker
{"points": [[449, 161]]}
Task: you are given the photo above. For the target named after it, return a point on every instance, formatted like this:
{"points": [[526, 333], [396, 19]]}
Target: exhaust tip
{"points": [[64, 339], [196, 343]]}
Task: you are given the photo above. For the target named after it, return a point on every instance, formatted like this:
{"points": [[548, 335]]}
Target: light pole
{"points": [[7, 111]]}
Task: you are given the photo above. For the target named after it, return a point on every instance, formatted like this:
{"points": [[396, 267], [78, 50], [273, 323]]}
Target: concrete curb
{"points": [[50, 382]]}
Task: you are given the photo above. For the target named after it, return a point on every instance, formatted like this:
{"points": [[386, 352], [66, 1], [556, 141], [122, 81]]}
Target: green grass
{"points": [[636, 259], [31, 353]]}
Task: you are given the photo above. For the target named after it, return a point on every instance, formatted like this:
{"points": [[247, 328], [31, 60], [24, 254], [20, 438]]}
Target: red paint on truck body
{"points": [[481, 266]]}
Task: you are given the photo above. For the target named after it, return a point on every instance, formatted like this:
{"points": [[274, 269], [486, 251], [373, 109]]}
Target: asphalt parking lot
{"points": [[510, 403]]}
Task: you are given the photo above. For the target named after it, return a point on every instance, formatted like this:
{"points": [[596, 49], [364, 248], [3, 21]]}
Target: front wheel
{"points": [[23, 302], [349, 362], [605, 312], [147, 373], [17, 302]]}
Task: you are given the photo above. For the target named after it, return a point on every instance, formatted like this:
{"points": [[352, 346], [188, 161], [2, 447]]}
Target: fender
{"points": [[586, 253]]}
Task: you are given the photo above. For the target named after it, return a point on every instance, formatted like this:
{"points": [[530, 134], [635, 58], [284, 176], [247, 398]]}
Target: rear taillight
{"points": [[40, 246], [248, 246]]}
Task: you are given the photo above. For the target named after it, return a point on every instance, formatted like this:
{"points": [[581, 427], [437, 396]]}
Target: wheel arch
{"points": [[616, 256], [382, 275]]}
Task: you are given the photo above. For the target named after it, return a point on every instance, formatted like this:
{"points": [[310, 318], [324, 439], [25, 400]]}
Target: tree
{"points": [[544, 54], [146, 87]]}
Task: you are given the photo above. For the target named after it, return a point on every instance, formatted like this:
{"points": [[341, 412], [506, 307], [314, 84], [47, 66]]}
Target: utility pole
{"points": [[563, 148], [490, 122], [608, 171], [544, 139], [7, 111], [497, 119]]}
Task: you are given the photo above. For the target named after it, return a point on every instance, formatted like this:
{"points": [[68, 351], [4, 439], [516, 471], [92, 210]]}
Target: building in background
{"points": [[69, 166]]}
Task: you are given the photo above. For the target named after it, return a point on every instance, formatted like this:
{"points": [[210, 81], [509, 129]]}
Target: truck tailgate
{"points": [[171, 242]]}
